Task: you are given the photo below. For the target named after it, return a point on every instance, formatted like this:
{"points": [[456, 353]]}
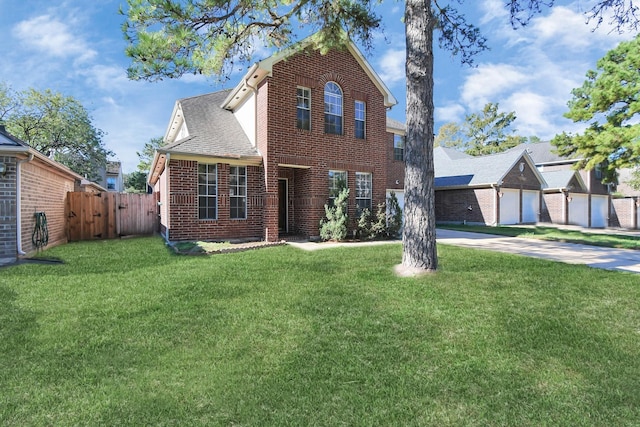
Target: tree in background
{"points": [[168, 38], [146, 155], [135, 182], [609, 100], [56, 125], [486, 132]]}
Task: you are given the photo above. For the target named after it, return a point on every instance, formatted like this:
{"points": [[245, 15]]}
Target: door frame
{"points": [[286, 205]]}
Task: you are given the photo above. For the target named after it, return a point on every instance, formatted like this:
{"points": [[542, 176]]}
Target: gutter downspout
{"points": [[19, 205], [496, 203], [166, 168]]}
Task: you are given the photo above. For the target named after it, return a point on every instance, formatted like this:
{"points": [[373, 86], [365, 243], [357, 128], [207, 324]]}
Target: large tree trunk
{"points": [[419, 236]]}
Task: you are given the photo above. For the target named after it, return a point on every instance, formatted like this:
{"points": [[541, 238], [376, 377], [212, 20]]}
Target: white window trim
{"points": [[369, 198], [364, 118], [308, 91], [207, 195], [339, 106]]}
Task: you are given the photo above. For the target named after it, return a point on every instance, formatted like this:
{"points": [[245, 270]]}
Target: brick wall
{"points": [[395, 168], [624, 213], [553, 208], [453, 206], [8, 227], [183, 205], [322, 152], [43, 189]]}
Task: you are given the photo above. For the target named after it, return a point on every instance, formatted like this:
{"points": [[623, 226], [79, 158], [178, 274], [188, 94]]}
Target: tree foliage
{"points": [[609, 101], [485, 132], [135, 182], [146, 155], [56, 125], [168, 38]]}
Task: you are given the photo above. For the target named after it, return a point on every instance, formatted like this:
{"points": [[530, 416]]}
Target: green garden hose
{"points": [[40, 236]]}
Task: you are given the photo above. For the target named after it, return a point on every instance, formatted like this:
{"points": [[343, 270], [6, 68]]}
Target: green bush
{"points": [[385, 224], [334, 225]]}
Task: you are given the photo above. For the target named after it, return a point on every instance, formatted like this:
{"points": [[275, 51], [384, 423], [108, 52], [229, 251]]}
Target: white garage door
{"points": [[530, 206], [599, 211], [510, 207], [579, 210]]}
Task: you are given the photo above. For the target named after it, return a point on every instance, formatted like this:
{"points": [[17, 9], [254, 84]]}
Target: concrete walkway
{"points": [[593, 256]]}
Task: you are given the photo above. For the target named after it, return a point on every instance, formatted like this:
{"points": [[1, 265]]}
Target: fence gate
{"points": [[109, 215]]}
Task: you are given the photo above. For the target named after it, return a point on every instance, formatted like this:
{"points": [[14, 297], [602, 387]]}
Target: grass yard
{"points": [[555, 234], [125, 333]]}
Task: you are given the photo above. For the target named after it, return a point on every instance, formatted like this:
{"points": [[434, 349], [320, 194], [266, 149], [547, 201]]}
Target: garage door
{"points": [[599, 211], [530, 206], [579, 210], [510, 207]]}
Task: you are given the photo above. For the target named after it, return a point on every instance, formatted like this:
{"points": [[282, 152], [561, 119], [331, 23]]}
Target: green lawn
{"points": [[125, 333], [555, 234]]}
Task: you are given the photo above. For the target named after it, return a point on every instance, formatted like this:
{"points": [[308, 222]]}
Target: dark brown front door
{"points": [[282, 206]]}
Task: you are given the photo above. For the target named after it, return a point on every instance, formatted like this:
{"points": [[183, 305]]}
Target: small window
{"points": [[207, 191], [360, 112], [111, 183], [363, 192], [238, 192], [332, 108], [303, 113], [337, 182], [398, 147]]}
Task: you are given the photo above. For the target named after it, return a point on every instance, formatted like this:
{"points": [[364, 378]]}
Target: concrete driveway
{"points": [[593, 256]]}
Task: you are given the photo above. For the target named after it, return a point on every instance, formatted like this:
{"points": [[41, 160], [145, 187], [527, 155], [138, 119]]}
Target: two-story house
{"points": [[261, 160]]}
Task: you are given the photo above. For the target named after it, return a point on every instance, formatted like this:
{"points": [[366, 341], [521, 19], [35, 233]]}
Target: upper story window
{"points": [[207, 191], [360, 115], [238, 192], [332, 108], [398, 147], [111, 183], [303, 113]]}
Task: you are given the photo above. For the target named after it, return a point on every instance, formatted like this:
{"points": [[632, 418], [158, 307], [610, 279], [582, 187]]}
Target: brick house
{"points": [[261, 160], [577, 197], [30, 182]]}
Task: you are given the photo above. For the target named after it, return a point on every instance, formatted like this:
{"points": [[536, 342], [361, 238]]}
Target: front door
{"points": [[283, 195]]}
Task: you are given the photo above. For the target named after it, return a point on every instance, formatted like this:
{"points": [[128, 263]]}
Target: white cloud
{"points": [[106, 77], [488, 81], [52, 37], [450, 113], [392, 66]]}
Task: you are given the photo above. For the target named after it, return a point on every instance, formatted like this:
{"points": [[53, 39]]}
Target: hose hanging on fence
{"points": [[40, 236]]}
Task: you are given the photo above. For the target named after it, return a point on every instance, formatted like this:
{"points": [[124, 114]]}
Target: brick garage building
{"points": [[30, 182], [261, 160]]}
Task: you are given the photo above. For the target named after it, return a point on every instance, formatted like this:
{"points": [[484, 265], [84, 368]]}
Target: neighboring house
{"points": [[261, 160], [31, 183], [497, 189], [577, 197], [112, 178]]}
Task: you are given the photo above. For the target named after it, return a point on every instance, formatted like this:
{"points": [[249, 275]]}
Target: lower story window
{"points": [[337, 182], [207, 191], [238, 192], [363, 191]]}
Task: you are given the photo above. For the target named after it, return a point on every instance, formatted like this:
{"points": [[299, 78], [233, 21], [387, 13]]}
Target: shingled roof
{"points": [[456, 169], [213, 131]]}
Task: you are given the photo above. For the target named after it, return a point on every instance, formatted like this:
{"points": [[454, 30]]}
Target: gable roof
{"points": [[213, 131], [9, 142], [563, 180], [543, 153], [480, 171], [262, 69]]}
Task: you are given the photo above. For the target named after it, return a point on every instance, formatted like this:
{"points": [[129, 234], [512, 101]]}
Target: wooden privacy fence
{"points": [[110, 215]]}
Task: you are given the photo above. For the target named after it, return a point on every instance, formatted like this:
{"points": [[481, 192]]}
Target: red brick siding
{"points": [[453, 206], [323, 152], [624, 213], [527, 179], [553, 208], [43, 190], [395, 168], [183, 205]]}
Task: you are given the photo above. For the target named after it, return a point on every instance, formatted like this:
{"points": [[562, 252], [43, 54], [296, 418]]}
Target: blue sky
{"points": [[76, 47]]}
